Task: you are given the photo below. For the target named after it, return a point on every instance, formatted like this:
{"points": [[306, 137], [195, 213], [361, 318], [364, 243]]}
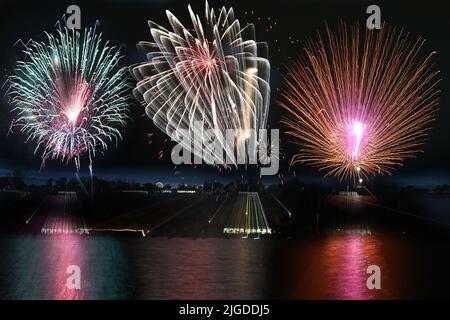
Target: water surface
{"points": [[113, 267]]}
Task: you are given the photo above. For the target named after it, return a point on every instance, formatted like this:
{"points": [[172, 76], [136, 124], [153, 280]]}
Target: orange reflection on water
{"points": [[336, 268]]}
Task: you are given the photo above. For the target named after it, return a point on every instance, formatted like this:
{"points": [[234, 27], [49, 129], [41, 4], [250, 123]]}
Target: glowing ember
{"points": [[356, 136]]}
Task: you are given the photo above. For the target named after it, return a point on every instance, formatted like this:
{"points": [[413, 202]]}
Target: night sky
{"points": [[125, 22]]}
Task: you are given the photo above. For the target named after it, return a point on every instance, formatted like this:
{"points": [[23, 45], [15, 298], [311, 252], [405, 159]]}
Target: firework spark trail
{"points": [[68, 94], [214, 76], [360, 103]]}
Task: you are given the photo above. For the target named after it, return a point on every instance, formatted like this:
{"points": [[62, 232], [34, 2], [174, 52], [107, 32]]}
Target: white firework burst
{"points": [[211, 76]]}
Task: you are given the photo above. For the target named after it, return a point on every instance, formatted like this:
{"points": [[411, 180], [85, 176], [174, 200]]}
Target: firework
{"points": [[68, 94], [360, 103], [212, 75]]}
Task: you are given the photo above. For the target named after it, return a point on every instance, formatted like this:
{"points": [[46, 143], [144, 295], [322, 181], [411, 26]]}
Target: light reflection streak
{"points": [[62, 252], [248, 217]]}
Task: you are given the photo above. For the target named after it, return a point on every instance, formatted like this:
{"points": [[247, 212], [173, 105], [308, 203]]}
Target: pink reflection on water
{"points": [[348, 273], [335, 267], [345, 260], [63, 251]]}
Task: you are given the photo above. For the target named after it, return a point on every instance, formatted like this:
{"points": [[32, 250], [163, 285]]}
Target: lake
{"points": [[121, 267]]}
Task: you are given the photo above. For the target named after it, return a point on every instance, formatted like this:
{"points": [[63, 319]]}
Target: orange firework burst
{"points": [[360, 103]]}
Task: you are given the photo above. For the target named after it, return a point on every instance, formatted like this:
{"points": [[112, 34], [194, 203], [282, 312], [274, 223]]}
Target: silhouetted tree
{"points": [[61, 184], [18, 179]]}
